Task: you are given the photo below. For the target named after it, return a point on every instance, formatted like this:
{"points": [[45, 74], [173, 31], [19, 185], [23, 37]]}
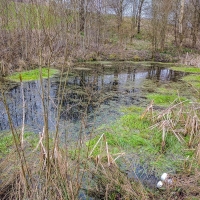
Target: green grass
{"points": [[32, 74], [132, 135], [167, 90], [164, 99], [186, 69], [6, 142], [193, 80]]}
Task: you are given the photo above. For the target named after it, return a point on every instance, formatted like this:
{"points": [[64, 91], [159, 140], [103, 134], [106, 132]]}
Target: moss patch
{"points": [[186, 69], [33, 74]]}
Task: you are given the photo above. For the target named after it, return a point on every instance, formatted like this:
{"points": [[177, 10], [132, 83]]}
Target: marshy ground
{"points": [[123, 159]]}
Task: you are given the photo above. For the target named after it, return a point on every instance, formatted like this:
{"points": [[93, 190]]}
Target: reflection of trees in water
{"points": [[115, 81], [131, 74], [154, 72], [33, 109], [163, 74], [83, 93]]}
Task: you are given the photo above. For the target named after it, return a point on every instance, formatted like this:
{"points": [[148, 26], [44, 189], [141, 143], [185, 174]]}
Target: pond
{"points": [[89, 96]]}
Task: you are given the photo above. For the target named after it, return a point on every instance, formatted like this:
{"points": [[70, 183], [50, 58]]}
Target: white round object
{"points": [[159, 184], [164, 176]]}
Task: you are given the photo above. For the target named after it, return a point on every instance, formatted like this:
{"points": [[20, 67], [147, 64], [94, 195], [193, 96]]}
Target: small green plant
{"points": [[138, 36], [188, 50]]}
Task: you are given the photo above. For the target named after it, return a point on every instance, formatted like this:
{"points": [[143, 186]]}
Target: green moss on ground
{"points": [[33, 74]]}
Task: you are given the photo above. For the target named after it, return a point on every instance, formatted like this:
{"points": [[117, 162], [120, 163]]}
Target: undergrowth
{"points": [[7, 143]]}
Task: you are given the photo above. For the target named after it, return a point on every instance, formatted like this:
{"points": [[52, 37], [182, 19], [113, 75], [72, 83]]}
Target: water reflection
{"points": [[101, 88]]}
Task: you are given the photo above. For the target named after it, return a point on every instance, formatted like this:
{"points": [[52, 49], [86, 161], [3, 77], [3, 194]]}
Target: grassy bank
{"points": [[193, 79], [33, 74]]}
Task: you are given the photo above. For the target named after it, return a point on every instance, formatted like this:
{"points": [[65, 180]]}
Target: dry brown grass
{"points": [[65, 178], [181, 119]]}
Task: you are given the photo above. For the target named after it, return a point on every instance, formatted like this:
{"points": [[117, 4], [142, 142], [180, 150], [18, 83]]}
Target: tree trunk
{"points": [[195, 24], [139, 15], [82, 16], [181, 23]]}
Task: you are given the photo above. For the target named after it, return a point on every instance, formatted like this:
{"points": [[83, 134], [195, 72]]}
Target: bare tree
{"points": [[139, 15], [175, 13], [165, 9]]}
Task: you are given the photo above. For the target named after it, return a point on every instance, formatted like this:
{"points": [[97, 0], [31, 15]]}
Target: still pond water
{"points": [[92, 95]]}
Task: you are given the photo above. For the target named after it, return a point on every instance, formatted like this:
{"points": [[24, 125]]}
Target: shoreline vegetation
{"points": [[33, 74], [164, 140], [60, 34]]}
